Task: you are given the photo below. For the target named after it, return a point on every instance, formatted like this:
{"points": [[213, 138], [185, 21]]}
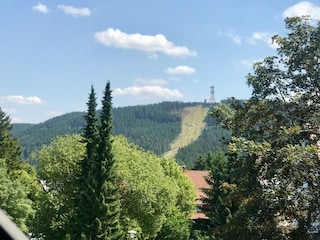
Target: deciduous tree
{"points": [[16, 178], [58, 167], [274, 152], [155, 192]]}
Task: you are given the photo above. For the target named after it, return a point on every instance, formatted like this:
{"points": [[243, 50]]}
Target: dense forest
{"points": [[152, 127], [212, 140], [33, 136]]}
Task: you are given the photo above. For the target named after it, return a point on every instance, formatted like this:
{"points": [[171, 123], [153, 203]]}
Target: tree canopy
{"points": [[273, 153], [156, 197], [18, 184]]}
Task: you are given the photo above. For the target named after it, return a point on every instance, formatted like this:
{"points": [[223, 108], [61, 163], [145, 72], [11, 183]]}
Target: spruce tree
{"points": [[83, 221], [97, 199], [10, 149], [219, 206], [108, 212], [14, 177]]}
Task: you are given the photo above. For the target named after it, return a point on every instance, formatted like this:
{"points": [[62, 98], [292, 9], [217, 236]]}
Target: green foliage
{"points": [[33, 136], [204, 163], [220, 206], [176, 226], [9, 147], [20, 127], [105, 182], [14, 198], [17, 180], [97, 200], [155, 191], [85, 198], [156, 197], [274, 156], [58, 168], [212, 139], [153, 127]]}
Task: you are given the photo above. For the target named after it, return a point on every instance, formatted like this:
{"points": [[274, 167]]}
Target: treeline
{"points": [[152, 127], [212, 139], [33, 136]]}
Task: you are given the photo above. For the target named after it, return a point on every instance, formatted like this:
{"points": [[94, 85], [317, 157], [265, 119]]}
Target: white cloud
{"points": [[302, 9], [180, 70], [75, 12], [16, 120], [41, 8], [235, 38], [153, 81], [175, 79], [249, 62], [264, 37], [9, 110], [21, 99], [153, 56], [232, 35], [148, 92], [147, 43], [54, 113]]}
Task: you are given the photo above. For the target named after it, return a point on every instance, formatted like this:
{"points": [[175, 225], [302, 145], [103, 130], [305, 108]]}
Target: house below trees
{"points": [[198, 178]]}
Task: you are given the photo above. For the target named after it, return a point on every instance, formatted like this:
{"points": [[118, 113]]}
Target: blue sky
{"points": [[51, 52]]}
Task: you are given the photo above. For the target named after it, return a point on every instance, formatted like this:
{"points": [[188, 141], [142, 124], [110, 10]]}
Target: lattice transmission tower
{"points": [[212, 98]]}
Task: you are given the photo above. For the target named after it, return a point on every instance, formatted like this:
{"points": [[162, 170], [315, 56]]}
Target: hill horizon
{"points": [[166, 129]]}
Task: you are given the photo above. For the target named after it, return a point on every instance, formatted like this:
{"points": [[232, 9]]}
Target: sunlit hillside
{"points": [[192, 125]]}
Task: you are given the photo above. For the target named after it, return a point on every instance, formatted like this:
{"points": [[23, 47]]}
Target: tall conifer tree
{"points": [[108, 213], [97, 200], [14, 188], [83, 222], [10, 149]]}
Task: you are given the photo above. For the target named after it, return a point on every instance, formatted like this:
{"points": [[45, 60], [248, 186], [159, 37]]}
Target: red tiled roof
{"points": [[198, 215], [198, 179]]}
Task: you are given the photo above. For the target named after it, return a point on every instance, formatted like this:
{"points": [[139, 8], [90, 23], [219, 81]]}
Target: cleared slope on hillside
{"points": [[192, 124], [152, 127]]}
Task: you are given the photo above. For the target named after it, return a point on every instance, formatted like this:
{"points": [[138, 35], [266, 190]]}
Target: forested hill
{"points": [[153, 127]]}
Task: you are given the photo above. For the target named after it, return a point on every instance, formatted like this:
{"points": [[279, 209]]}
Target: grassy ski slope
{"points": [[192, 125]]}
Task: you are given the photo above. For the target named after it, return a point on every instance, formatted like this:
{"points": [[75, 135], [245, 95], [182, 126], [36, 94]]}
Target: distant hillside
{"points": [[20, 127], [178, 129], [153, 127], [212, 139], [33, 136], [193, 122]]}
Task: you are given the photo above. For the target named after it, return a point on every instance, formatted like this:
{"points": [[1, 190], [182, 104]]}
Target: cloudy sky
{"points": [[51, 52]]}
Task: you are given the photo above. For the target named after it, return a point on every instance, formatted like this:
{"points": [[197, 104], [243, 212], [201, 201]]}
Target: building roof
{"points": [[198, 179]]}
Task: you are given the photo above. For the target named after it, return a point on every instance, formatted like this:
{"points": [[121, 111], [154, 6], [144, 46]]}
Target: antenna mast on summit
{"points": [[212, 98]]}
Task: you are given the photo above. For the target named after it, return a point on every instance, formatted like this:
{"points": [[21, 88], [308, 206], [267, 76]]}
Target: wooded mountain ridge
{"points": [[152, 127]]}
